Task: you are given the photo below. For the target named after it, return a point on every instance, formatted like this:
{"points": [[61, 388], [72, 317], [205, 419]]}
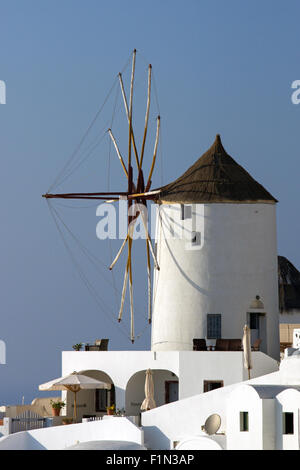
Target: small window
{"points": [[213, 325], [186, 212], [244, 421], [288, 423], [196, 238], [209, 385]]}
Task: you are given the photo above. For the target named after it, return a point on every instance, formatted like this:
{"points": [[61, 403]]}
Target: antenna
{"points": [[212, 424]]}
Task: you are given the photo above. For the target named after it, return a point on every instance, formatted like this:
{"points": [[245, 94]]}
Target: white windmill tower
{"points": [[215, 266], [217, 252]]}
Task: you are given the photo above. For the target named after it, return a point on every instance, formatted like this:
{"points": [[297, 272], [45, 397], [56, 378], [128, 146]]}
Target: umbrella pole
{"points": [[75, 410], [248, 374]]}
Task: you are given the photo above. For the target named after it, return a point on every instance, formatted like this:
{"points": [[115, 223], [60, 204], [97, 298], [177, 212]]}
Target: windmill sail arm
{"points": [[111, 195], [130, 113], [105, 195], [147, 116], [119, 253], [148, 194], [154, 153], [127, 114], [137, 190], [118, 152]]}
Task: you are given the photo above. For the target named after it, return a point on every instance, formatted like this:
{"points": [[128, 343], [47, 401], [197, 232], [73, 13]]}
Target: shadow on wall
{"points": [[20, 441], [159, 440], [93, 402], [182, 272], [166, 386]]}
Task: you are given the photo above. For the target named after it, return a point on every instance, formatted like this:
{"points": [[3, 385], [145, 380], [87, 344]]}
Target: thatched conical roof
{"points": [[215, 177], [289, 285]]}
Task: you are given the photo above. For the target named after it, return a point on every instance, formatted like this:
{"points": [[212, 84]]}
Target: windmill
{"points": [[137, 194]]}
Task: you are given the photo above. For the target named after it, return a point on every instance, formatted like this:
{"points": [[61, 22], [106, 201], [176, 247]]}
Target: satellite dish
{"points": [[212, 424]]}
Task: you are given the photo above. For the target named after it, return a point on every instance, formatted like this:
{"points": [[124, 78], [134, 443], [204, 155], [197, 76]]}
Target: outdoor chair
{"points": [[235, 345], [256, 345], [222, 344], [199, 344], [100, 345]]}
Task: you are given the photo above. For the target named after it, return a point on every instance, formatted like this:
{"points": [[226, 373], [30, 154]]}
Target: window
{"points": [[209, 385], [244, 421], [186, 212], [171, 391], [213, 325], [104, 398], [288, 423], [196, 238]]}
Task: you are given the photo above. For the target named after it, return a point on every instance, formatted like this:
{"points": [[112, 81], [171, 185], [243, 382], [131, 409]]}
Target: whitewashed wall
{"points": [[120, 367], [237, 261], [135, 390], [288, 401], [60, 437], [191, 368], [227, 366], [244, 398], [86, 399], [183, 419]]}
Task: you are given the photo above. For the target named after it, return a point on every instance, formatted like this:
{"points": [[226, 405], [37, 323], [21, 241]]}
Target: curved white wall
{"points": [[60, 437], [236, 260], [199, 443]]}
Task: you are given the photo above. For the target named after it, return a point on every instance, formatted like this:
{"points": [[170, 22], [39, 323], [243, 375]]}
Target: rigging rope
{"points": [[93, 291], [82, 139], [77, 148], [108, 184], [83, 277], [93, 259], [76, 207], [83, 159]]}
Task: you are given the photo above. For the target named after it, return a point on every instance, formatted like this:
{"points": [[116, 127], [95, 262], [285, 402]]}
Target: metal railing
{"points": [[27, 421]]}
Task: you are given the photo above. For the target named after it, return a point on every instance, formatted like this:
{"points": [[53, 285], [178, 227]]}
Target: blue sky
{"points": [[219, 67]]}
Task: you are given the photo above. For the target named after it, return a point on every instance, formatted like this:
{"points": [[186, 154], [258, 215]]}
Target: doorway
{"points": [[257, 325], [171, 391]]}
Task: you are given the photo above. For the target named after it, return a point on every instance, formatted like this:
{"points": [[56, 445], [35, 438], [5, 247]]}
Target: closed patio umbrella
{"points": [[247, 349], [149, 401], [74, 383]]}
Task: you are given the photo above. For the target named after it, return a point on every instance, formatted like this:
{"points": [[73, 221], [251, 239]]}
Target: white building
{"points": [[207, 288], [260, 414], [216, 249], [176, 374], [263, 417]]}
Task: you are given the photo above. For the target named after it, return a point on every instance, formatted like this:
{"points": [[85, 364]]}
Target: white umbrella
{"points": [[149, 401], [247, 349], [74, 383]]}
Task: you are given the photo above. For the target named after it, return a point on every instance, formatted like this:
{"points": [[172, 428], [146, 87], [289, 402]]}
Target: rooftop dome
{"points": [[215, 177]]}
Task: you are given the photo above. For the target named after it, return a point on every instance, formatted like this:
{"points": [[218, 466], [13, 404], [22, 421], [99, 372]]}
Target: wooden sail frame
{"points": [[137, 193]]}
